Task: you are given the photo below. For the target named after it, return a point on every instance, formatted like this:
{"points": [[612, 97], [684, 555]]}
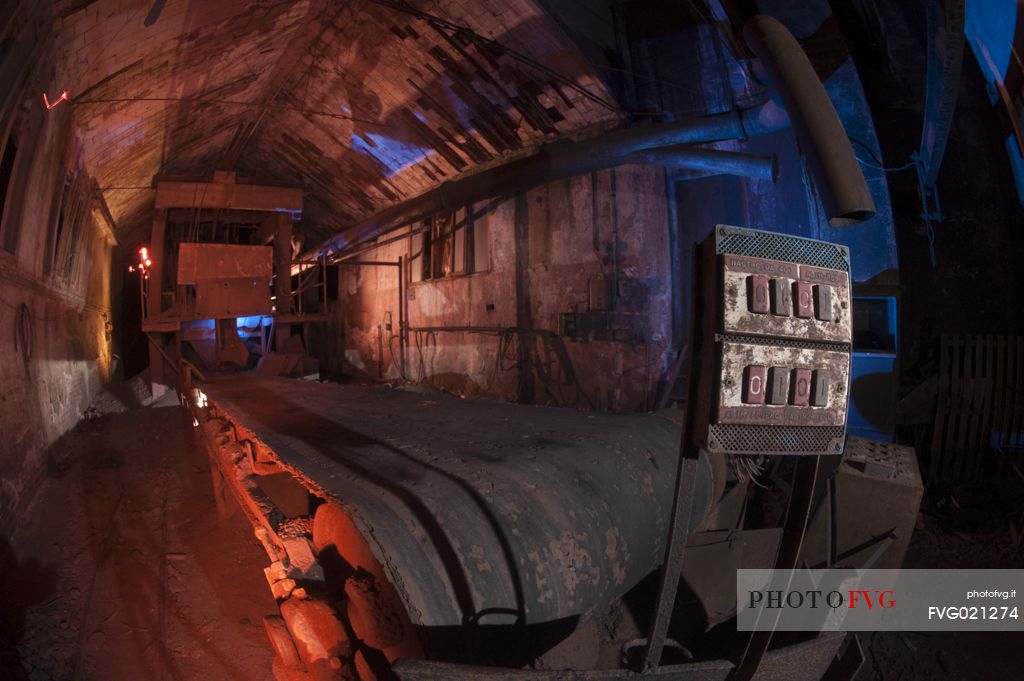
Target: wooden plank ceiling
{"points": [[362, 103]]}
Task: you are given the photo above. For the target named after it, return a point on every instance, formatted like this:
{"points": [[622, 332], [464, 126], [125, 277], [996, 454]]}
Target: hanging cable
{"points": [[878, 164], [23, 333]]}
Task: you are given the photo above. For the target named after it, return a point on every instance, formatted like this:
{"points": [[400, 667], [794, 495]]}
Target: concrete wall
{"points": [[54, 336], [496, 333]]}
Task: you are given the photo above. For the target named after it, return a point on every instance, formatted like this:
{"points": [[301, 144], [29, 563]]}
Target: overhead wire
{"points": [[878, 164], [229, 102], [439, 21]]}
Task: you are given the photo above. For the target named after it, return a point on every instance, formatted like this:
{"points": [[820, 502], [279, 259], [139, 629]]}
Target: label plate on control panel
{"points": [[806, 404], [744, 277]]}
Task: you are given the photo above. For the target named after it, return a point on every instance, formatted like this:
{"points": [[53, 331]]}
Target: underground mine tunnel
{"points": [[503, 339]]}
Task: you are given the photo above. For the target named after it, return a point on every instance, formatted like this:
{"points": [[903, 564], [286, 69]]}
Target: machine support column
{"points": [[283, 278], [154, 304]]}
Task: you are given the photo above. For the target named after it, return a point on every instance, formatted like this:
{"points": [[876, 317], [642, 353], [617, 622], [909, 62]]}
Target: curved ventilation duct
{"points": [[818, 129]]}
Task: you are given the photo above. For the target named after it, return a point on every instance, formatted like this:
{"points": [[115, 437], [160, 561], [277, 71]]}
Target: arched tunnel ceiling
{"points": [[363, 103]]}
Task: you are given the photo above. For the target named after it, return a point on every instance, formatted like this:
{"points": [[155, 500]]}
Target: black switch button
{"points": [[819, 395], [823, 302], [782, 299], [778, 385], [800, 387]]}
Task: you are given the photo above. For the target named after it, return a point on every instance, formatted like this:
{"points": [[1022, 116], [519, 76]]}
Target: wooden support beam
{"points": [[223, 192], [283, 278], [156, 254], [104, 218], [154, 298]]}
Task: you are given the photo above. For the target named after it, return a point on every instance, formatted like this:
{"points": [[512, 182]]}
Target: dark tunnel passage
{"points": [[509, 339]]}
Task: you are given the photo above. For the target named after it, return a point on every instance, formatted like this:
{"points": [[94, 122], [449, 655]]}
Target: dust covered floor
{"points": [[121, 569], [955, 655]]}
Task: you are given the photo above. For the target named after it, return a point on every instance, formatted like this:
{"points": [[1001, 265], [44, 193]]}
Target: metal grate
{"points": [[757, 244], [755, 439], [783, 342]]}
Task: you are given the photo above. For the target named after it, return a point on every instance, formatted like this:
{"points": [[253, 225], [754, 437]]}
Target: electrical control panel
{"points": [[771, 344], [785, 300]]}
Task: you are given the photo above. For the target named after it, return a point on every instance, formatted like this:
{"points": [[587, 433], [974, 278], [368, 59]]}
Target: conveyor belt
{"points": [[481, 512]]}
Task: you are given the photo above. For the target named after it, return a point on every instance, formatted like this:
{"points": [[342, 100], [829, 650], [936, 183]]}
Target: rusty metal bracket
{"points": [[671, 571], [797, 514], [682, 511], [425, 670], [848, 661]]}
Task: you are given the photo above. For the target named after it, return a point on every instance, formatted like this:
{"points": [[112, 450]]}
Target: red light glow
{"points": [[144, 261], [63, 98]]}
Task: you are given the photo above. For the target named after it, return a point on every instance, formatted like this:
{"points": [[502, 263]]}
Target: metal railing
{"points": [[312, 276]]}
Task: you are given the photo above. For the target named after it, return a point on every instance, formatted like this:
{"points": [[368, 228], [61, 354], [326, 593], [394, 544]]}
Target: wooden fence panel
{"points": [[980, 408]]}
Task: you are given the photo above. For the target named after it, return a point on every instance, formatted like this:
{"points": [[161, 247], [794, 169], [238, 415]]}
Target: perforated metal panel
{"points": [[774, 440], [782, 343], [772, 246], [745, 342]]}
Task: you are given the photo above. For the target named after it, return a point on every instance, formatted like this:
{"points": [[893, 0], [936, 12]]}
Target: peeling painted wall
{"points": [[496, 333]]}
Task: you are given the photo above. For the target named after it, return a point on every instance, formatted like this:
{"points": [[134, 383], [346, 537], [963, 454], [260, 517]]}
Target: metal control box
{"points": [[771, 344]]}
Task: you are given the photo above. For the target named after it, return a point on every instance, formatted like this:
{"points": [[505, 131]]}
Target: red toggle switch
{"points": [[800, 388], [757, 294], [802, 299], [754, 379]]}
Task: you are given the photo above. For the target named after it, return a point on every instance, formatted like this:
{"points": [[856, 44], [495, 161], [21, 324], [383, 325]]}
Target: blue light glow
{"points": [[126, 134], [295, 215], [990, 25], [1016, 164], [253, 321], [393, 155]]}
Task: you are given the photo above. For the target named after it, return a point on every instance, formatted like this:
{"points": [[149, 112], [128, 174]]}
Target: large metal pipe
{"points": [[818, 129], [808, 109], [554, 161], [710, 161]]}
